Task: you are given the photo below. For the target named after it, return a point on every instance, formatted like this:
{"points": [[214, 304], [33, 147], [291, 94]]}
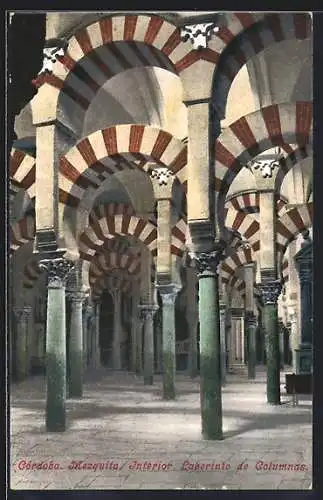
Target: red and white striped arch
{"points": [[250, 135], [109, 226], [238, 285], [249, 203], [231, 263], [179, 232], [105, 262], [22, 232], [116, 43], [113, 149], [271, 29], [246, 224], [291, 223], [295, 154], [22, 170], [285, 270]]}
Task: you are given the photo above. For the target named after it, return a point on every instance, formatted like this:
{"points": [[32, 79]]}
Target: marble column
{"points": [[270, 291], [159, 342], [210, 344], [250, 319], [294, 335], [117, 330], [147, 312], [168, 295], [304, 264], [95, 344], [192, 320], [58, 270], [222, 307], [281, 329], [134, 331], [251, 326], [75, 380], [86, 311], [22, 330]]}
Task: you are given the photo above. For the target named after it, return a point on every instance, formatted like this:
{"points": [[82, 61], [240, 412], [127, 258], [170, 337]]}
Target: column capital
{"points": [[58, 270], [250, 319], [22, 313], [208, 261], [222, 306], [76, 296], [237, 312], [147, 311], [199, 34], [270, 291], [162, 175], [168, 293]]}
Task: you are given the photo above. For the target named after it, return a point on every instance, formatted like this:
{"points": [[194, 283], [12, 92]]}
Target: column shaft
{"points": [[168, 296], [270, 318], [251, 326], [223, 343], [75, 382], [210, 356], [22, 357], [147, 313], [116, 344], [192, 320], [58, 269]]}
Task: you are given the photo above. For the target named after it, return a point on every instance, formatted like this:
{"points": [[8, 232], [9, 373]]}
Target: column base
{"points": [[149, 380], [304, 358]]}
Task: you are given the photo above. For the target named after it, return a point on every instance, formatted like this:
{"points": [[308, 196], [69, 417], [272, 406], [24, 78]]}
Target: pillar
{"points": [[86, 310], [304, 266], [210, 344], [270, 291], [116, 343], [281, 329], [294, 334], [95, 344], [159, 341], [58, 270], [75, 382], [250, 319], [147, 313], [22, 354], [192, 320], [168, 295], [134, 331], [251, 326], [223, 341]]}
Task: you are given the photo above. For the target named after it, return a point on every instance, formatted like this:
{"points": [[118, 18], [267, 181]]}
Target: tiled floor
{"points": [[120, 426]]}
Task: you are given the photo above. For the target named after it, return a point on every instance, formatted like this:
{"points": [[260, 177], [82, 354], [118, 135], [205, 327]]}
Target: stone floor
{"points": [[121, 426]]}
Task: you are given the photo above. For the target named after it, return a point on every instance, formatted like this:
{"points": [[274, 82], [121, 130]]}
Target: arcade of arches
{"points": [[161, 203]]}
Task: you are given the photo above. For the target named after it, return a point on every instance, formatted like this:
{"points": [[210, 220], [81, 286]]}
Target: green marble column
{"points": [[159, 342], [223, 342], [210, 345], [251, 326], [147, 313], [116, 343], [95, 344], [58, 269], [75, 381], [192, 320], [168, 294], [281, 327], [270, 292], [134, 331], [22, 352]]}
